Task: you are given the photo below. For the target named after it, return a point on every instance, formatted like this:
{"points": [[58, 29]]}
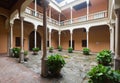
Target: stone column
{"points": [[87, 8], [87, 33], [22, 41], [35, 44], [71, 15], [59, 38], [50, 37], [35, 7], [50, 14], [44, 70], [117, 41], [11, 40], [59, 19], [112, 38], [71, 32]]}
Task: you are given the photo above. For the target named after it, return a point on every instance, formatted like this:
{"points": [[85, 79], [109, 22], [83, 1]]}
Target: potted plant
{"points": [[70, 50], [86, 51], [51, 49], [25, 56], [104, 57], [102, 74], [59, 48], [55, 63], [16, 52], [35, 50]]}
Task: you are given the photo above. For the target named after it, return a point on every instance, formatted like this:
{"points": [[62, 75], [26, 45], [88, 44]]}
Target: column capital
{"points": [[50, 30], [22, 18], [71, 31], [59, 32]]}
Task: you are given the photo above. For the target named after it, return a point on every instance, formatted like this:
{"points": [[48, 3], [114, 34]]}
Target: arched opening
{"points": [[32, 40]]}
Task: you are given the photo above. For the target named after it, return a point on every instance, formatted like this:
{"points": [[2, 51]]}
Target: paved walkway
{"points": [[75, 70], [13, 72], [77, 65]]}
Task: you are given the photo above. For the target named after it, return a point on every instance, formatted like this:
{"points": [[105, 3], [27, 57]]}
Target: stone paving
{"points": [[75, 70]]}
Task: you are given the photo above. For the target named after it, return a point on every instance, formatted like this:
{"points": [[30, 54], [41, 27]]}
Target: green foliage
{"points": [[104, 57], [25, 53], [55, 63], [59, 48], [86, 51], [35, 49], [16, 52], [70, 50], [51, 49], [102, 74]]}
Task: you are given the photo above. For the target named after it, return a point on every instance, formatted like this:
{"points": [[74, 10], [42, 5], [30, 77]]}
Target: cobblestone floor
{"points": [[77, 65]]}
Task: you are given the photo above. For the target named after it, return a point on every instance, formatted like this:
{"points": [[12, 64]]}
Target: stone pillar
{"points": [[49, 37], [59, 19], [59, 38], [50, 14], [22, 41], [71, 15], [35, 44], [11, 40], [112, 38], [87, 33], [71, 32], [117, 41], [44, 70], [35, 7], [87, 9]]}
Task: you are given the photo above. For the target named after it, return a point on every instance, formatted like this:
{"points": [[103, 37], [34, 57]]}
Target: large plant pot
{"points": [[55, 73], [35, 53]]}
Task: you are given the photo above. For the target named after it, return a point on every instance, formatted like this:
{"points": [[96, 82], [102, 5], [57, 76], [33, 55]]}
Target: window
{"points": [[17, 41], [84, 43]]}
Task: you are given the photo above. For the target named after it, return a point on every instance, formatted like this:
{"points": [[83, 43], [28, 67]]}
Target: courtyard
{"points": [[75, 70]]}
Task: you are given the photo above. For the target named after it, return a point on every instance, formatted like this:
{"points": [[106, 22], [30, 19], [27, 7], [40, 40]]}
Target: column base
{"points": [[44, 68], [10, 52], [117, 63], [21, 58]]}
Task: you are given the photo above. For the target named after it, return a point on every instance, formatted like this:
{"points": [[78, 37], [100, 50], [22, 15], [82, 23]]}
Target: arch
{"points": [[24, 5], [99, 38], [31, 40], [79, 37]]}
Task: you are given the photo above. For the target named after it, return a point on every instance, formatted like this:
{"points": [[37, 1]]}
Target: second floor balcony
{"points": [[93, 16]]}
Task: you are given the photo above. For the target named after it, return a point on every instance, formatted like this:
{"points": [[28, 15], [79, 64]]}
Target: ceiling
{"points": [[7, 4]]}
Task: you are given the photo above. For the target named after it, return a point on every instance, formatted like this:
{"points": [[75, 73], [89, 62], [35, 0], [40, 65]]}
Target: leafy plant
{"points": [[25, 53], [102, 74], [70, 50], [104, 57], [86, 51], [55, 63], [59, 48], [51, 49], [16, 52], [35, 51]]}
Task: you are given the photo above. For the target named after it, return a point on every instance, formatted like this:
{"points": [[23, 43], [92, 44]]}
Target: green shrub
{"points": [[16, 52], [35, 49], [102, 74], [55, 63], [51, 49], [25, 53], [104, 57], [70, 50], [59, 48], [86, 51]]}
